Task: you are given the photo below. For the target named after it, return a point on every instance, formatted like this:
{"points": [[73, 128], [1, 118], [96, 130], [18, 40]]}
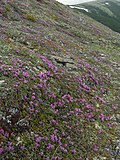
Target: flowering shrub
{"points": [[68, 116]]}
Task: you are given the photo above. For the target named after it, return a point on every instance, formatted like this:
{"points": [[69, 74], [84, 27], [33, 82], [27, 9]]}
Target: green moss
{"points": [[6, 10], [31, 17]]}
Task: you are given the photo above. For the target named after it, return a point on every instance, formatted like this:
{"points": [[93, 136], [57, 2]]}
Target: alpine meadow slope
{"points": [[106, 12], [59, 84]]}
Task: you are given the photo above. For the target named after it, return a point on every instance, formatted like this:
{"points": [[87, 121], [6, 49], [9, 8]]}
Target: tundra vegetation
{"points": [[59, 84]]}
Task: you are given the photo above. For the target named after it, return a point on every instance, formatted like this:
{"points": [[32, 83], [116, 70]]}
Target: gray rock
{"points": [[23, 125], [1, 82]]}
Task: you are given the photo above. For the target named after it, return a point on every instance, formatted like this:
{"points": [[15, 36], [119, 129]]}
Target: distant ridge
{"points": [[106, 12]]}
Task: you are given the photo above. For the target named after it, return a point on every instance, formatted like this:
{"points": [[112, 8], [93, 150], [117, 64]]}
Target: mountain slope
{"points": [[59, 86], [106, 12]]}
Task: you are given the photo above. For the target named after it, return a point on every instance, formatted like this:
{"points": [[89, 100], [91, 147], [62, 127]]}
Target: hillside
{"points": [[106, 12], [59, 84]]}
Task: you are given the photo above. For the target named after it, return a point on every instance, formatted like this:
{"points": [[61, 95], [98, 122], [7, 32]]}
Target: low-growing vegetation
{"points": [[59, 84]]}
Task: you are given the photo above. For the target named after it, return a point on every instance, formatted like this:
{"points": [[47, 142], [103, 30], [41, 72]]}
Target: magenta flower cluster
{"points": [[62, 107]]}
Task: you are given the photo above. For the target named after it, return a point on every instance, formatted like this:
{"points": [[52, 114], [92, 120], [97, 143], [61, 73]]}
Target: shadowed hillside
{"points": [[106, 12], [59, 84]]}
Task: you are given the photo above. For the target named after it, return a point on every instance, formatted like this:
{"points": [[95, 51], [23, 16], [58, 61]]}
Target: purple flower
{"points": [[31, 103], [10, 148], [74, 151], [63, 149], [25, 81], [26, 74], [1, 150], [1, 130], [46, 138], [100, 131], [68, 138], [50, 146], [78, 110], [33, 97], [63, 134], [100, 99], [88, 107], [36, 111], [53, 138], [40, 75], [38, 139], [37, 145], [34, 86], [31, 109], [102, 117], [40, 85], [72, 143], [54, 122], [53, 106], [89, 116], [22, 147], [36, 104]]}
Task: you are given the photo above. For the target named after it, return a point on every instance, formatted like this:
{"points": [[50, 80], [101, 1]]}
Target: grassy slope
{"points": [[58, 83], [105, 12]]}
